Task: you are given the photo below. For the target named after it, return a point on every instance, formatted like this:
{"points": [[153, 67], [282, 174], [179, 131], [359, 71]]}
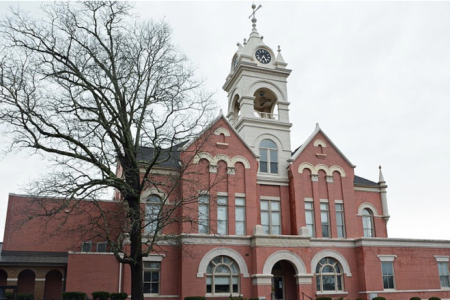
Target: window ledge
{"points": [[221, 295], [331, 293]]}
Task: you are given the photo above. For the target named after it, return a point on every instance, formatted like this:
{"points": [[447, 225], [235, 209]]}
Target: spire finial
{"points": [[279, 48], [253, 15], [381, 177]]}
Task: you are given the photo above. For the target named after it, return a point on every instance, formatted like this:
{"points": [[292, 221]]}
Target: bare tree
{"points": [[92, 88]]}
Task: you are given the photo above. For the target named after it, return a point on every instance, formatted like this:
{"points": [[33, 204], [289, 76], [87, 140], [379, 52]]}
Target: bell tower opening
{"points": [[265, 104]]}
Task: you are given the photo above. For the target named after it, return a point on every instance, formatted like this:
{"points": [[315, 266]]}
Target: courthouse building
{"points": [[285, 222]]}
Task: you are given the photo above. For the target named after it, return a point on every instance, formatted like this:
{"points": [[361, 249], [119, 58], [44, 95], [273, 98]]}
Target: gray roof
{"points": [[362, 181], [168, 158], [32, 258]]}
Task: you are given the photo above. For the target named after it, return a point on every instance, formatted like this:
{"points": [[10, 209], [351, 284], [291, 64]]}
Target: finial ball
{"points": [[253, 5]]}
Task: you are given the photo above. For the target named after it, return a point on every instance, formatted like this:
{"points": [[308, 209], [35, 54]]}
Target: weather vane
{"points": [[254, 11], [253, 15]]}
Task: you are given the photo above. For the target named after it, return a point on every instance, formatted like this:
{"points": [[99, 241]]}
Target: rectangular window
{"points": [[324, 218], [340, 220], [222, 214], [101, 247], [203, 214], [270, 216], [86, 247], [387, 268], [240, 215], [151, 277], [443, 274], [309, 216]]}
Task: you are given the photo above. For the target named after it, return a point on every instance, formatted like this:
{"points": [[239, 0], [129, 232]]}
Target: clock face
{"points": [[263, 56]]}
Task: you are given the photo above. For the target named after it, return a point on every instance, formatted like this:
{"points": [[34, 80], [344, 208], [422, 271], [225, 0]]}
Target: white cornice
{"points": [[407, 243], [367, 189]]}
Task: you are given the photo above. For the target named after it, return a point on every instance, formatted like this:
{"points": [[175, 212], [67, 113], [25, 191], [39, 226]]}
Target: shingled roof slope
{"points": [[362, 181], [168, 158]]}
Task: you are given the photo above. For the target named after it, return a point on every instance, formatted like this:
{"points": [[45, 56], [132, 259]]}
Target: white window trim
{"points": [[323, 200], [309, 200], [339, 201], [442, 258], [387, 258]]}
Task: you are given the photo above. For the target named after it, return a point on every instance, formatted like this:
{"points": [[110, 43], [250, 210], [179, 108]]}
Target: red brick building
{"points": [[278, 224]]}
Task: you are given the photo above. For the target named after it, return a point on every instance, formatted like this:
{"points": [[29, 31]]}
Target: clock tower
{"points": [[258, 106]]}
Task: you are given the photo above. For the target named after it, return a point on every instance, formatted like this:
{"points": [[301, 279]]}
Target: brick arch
{"points": [[53, 284], [315, 169], [218, 252], [3, 277], [26, 281]]}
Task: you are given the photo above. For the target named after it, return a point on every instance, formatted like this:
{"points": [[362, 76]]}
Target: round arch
{"points": [[53, 286], [218, 252], [293, 258], [268, 136], [3, 277], [368, 205], [267, 85], [334, 254], [26, 281]]}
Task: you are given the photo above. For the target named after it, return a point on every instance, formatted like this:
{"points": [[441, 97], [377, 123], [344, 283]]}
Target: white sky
{"points": [[374, 75]]}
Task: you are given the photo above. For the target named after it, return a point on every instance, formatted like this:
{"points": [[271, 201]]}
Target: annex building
{"points": [[283, 223]]}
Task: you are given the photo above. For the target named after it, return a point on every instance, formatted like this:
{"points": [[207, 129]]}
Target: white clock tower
{"points": [[258, 105]]}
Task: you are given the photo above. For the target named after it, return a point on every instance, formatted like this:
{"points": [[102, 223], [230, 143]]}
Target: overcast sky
{"points": [[374, 75]]}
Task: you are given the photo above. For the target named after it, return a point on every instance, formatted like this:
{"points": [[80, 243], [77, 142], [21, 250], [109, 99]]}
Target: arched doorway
{"points": [[3, 277], [26, 282], [283, 281], [53, 285]]}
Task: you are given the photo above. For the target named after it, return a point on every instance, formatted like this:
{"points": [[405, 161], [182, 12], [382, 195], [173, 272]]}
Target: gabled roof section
{"points": [[220, 116], [311, 137], [168, 158], [362, 181]]}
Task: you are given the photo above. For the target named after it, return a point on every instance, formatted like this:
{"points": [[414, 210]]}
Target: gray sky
{"points": [[374, 75]]}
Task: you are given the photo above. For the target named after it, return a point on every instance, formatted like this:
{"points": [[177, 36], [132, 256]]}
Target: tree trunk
{"points": [[136, 252]]}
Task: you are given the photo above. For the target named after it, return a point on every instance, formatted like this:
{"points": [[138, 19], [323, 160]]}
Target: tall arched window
{"points": [[329, 276], [367, 218], [152, 209], [222, 276], [268, 163]]}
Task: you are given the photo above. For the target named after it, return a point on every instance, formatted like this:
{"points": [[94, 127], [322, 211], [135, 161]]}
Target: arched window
{"points": [[222, 276], [268, 163], [329, 276], [367, 218], [152, 209]]}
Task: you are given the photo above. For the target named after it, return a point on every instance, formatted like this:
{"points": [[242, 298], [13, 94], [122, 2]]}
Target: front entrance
{"points": [[277, 287], [283, 281]]}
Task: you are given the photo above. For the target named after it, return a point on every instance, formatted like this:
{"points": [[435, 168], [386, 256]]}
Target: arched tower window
{"points": [[329, 276], [268, 162], [152, 209], [265, 103], [367, 218], [222, 276]]}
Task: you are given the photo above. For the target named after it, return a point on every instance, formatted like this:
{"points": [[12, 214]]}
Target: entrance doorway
{"points": [[283, 281]]}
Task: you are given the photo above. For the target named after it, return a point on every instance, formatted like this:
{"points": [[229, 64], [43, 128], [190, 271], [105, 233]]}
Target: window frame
{"points": [[213, 264], [389, 275], [271, 155], [86, 243], [236, 208], [311, 226], [323, 224], [154, 206], [444, 276], [367, 219], [101, 244], [203, 218], [151, 271], [222, 223], [342, 233], [338, 276], [271, 212]]}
